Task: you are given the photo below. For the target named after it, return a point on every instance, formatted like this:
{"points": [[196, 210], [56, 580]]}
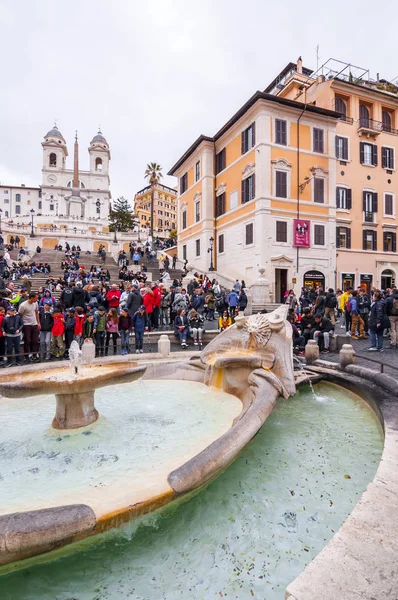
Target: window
{"points": [[343, 198], [369, 240], [220, 205], [369, 206], [17, 210], [184, 183], [340, 106], [52, 159], [281, 231], [319, 235], [280, 132], [319, 190], [387, 158], [389, 241], [341, 147], [6, 191], [51, 206], [197, 171], [6, 201], [221, 161], [388, 205], [248, 138], [160, 223], [363, 116], [368, 154], [184, 252], [233, 199], [343, 237], [317, 140], [98, 210], [249, 234], [221, 243], [17, 197], [197, 212], [248, 188], [197, 247], [184, 219], [98, 164], [40, 205], [386, 120], [281, 184], [6, 213]]}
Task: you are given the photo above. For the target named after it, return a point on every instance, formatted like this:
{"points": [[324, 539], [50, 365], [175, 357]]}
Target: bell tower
{"points": [[99, 155], [54, 152]]}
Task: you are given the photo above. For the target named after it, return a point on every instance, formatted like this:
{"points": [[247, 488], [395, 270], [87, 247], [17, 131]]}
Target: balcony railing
{"points": [[370, 124], [369, 217], [346, 119]]}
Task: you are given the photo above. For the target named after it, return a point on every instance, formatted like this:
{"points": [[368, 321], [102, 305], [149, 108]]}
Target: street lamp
{"points": [[210, 249], [32, 233], [114, 225]]}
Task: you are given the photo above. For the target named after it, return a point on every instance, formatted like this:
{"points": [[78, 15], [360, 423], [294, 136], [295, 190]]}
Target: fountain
{"points": [[73, 387], [223, 398]]}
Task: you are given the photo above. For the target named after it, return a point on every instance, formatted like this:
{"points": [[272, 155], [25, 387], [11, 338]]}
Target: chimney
{"points": [[299, 67]]}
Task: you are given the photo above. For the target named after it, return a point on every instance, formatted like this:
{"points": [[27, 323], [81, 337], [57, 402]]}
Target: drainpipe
{"points": [[214, 212], [298, 183]]}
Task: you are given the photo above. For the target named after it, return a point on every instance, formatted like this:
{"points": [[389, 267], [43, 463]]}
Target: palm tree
{"points": [[153, 173]]}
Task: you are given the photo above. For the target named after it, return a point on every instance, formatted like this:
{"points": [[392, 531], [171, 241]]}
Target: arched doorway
{"points": [[387, 279], [314, 280]]}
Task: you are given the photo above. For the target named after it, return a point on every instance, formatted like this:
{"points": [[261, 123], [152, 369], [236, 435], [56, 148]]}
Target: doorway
{"points": [[313, 280], [280, 284], [387, 279]]}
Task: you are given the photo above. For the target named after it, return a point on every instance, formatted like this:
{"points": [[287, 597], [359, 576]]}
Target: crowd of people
{"points": [[362, 314]]}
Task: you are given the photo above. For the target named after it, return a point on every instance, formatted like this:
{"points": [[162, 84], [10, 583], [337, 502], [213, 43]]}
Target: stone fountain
{"points": [[74, 387]]}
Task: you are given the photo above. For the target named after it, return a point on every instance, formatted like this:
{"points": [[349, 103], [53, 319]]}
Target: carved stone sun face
{"points": [[259, 329]]}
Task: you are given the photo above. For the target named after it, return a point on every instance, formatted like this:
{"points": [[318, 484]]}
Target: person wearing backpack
{"points": [[392, 313], [356, 319], [331, 305], [377, 323], [363, 301]]}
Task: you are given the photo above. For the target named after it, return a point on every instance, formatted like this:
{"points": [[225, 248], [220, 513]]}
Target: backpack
{"points": [[93, 301], [348, 305], [394, 309], [333, 302]]}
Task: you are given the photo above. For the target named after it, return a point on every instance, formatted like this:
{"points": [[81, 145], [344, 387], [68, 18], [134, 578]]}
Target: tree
{"points": [[173, 234], [124, 215], [153, 173]]}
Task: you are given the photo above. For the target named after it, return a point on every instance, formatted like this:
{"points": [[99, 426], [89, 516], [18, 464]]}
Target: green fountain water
{"points": [[250, 532]]}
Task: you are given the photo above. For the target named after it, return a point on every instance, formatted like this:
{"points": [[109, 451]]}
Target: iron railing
{"points": [[366, 123]]}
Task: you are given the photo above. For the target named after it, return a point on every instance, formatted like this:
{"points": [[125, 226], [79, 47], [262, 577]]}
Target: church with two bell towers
{"points": [[74, 193]]}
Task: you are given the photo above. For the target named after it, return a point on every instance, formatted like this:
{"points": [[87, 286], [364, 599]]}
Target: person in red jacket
{"points": [[157, 297], [148, 301], [57, 342], [79, 323], [113, 297]]}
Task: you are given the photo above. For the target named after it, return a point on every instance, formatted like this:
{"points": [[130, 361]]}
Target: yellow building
{"points": [[365, 152], [263, 189], [164, 208]]}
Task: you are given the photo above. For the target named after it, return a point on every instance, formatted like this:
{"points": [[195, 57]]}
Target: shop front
{"points": [[347, 281], [387, 279], [313, 280], [366, 281]]}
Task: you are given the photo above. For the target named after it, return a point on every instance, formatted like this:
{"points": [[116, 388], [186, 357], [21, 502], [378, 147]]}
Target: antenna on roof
{"points": [[317, 57]]}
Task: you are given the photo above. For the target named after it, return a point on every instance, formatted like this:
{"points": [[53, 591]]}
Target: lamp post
{"points": [[32, 233], [114, 229], [210, 249]]}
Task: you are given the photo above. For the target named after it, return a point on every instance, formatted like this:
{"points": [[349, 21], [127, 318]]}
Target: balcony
{"points": [[369, 126], [346, 119]]}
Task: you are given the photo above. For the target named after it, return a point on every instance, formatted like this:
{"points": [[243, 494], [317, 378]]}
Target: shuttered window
{"points": [[369, 206], [197, 212], [280, 132], [389, 241], [248, 188], [184, 183], [221, 160], [220, 205], [184, 219], [248, 138], [281, 184], [249, 234], [197, 247], [341, 147], [184, 252], [281, 231], [343, 237], [221, 243], [389, 205], [197, 171], [368, 154], [319, 235], [343, 198], [387, 158], [318, 145], [319, 190], [369, 239]]}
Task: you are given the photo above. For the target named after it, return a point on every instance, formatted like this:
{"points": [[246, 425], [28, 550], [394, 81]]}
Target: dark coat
{"points": [[140, 322], [134, 301], [378, 317]]}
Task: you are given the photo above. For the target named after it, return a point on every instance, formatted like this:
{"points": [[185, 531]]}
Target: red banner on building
{"points": [[301, 233]]}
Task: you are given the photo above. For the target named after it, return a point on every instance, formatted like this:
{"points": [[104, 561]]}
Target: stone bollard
{"points": [[311, 351], [346, 356], [164, 345], [88, 352]]}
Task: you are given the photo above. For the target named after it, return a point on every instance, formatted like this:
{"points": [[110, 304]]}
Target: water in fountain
{"points": [[75, 357], [250, 532]]}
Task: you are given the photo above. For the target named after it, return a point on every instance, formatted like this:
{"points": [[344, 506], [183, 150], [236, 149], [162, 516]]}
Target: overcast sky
{"points": [[156, 74]]}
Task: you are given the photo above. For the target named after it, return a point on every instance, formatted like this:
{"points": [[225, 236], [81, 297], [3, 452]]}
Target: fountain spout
{"points": [[75, 357]]}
